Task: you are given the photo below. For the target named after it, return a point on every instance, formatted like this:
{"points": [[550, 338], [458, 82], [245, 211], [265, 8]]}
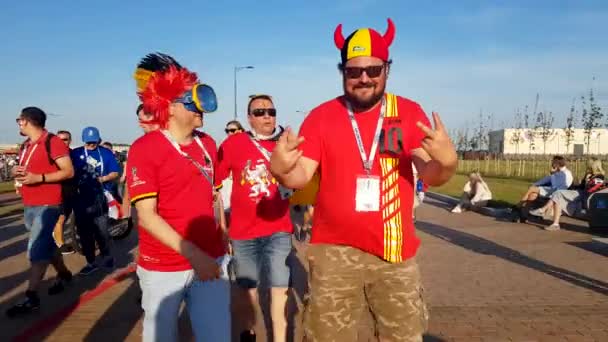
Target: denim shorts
{"points": [[40, 221], [267, 256]]}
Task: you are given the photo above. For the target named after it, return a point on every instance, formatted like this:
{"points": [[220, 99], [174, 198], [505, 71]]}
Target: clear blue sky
{"points": [[453, 57]]}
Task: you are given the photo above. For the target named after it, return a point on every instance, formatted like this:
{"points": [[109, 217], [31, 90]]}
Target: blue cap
{"points": [[91, 135]]}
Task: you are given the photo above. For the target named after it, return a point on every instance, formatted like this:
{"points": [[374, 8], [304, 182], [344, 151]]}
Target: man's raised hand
{"points": [[437, 142], [286, 153]]}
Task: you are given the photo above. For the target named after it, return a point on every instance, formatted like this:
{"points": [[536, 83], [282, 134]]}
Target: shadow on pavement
{"points": [[432, 338], [483, 246], [51, 305], [9, 201], [15, 248], [14, 212], [542, 223], [590, 247], [12, 231], [10, 282], [120, 318], [6, 220]]}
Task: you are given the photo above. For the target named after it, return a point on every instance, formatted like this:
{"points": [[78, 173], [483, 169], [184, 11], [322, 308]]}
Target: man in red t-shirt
{"points": [[363, 241], [182, 253], [260, 226], [44, 162]]}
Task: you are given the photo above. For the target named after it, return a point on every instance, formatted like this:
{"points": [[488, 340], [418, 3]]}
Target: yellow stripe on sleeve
{"points": [[143, 196]]}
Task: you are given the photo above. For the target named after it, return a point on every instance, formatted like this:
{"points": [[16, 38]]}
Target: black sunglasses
{"points": [[263, 111], [372, 71], [231, 130]]}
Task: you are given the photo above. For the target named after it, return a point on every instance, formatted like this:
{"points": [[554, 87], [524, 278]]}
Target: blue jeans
{"points": [[40, 221], [208, 304], [266, 255]]}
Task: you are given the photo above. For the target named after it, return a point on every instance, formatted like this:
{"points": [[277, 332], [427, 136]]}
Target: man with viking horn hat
{"points": [[182, 253], [363, 245]]}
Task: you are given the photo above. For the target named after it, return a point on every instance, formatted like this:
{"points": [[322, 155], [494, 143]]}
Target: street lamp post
{"points": [[238, 68]]}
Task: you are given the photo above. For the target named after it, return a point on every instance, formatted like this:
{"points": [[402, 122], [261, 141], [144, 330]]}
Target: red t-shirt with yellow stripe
{"points": [[329, 139], [184, 195]]}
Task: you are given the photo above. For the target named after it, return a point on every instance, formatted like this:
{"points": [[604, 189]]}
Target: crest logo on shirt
{"points": [[135, 180], [259, 178]]}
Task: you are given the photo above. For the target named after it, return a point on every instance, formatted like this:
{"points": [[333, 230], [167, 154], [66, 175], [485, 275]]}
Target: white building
{"points": [[530, 141]]}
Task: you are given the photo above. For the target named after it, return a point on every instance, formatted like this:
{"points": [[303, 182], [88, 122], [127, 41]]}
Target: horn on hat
{"points": [[389, 35], [339, 37]]}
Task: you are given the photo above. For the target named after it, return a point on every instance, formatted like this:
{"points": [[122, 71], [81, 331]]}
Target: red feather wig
{"points": [[163, 88]]}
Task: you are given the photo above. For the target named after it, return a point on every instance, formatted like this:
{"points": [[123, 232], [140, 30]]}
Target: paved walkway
{"points": [[485, 280]]}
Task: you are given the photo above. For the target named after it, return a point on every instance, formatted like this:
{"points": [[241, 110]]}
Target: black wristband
{"points": [[43, 178]]}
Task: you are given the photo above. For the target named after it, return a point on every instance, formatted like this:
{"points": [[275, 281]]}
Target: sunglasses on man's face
{"points": [[259, 112], [65, 139], [231, 130], [372, 71]]}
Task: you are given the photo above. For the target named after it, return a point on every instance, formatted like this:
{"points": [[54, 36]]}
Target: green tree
{"points": [[517, 137], [545, 129], [481, 133], [569, 129], [592, 117]]}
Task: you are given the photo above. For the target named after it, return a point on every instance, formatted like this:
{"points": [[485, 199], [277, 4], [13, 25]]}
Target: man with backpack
{"points": [[44, 162]]}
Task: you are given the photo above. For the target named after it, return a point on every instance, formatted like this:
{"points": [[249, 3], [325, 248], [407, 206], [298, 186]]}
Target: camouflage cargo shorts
{"points": [[345, 282]]}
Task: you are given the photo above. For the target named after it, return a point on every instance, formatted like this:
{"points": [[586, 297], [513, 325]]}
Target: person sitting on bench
{"points": [[559, 179], [572, 201]]}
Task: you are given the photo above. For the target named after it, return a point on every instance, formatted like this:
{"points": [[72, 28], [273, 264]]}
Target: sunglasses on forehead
{"points": [[258, 112], [372, 71]]}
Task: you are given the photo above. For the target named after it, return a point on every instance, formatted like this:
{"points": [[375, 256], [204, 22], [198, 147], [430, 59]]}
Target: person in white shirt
{"points": [[476, 194]]}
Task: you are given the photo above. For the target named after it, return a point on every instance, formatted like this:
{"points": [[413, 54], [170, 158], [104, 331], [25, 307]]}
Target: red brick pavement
{"points": [[485, 280]]}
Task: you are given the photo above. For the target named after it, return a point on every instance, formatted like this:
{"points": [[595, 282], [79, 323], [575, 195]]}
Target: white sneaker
{"points": [[537, 212], [457, 210], [553, 227]]}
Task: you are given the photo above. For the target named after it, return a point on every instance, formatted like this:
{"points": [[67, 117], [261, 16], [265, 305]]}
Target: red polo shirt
{"points": [[184, 195], [330, 140], [35, 157]]}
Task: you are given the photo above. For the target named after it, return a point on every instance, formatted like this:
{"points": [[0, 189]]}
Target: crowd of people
{"points": [[7, 162], [211, 216]]}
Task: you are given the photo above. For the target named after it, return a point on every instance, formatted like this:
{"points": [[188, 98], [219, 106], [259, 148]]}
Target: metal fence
{"points": [[525, 169]]}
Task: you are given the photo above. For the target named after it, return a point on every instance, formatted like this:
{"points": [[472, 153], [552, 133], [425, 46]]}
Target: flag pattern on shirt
{"points": [[390, 205]]}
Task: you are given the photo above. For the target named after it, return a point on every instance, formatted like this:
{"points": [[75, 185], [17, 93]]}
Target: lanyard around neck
{"points": [[29, 156], [33, 149], [368, 161], [260, 148], [206, 155], [86, 155]]}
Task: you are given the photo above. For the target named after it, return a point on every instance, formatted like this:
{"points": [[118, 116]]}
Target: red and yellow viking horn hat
{"points": [[365, 42]]}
